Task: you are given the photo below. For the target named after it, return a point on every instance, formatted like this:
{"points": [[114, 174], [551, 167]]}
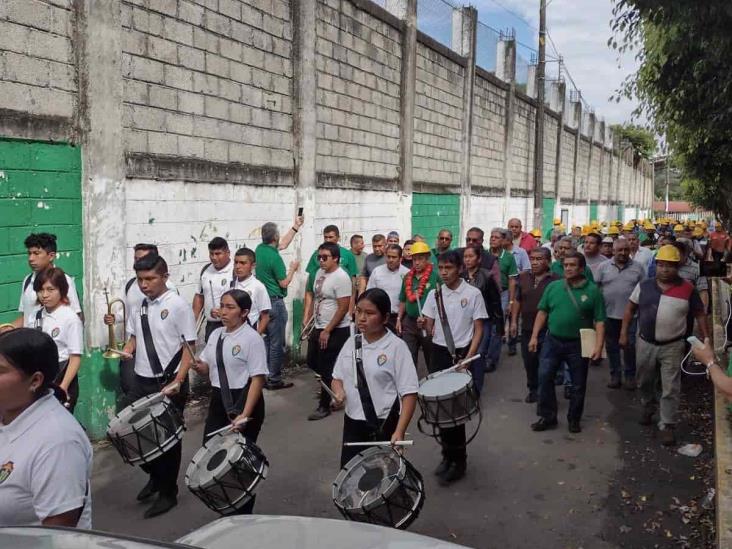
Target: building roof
{"points": [[674, 206]]}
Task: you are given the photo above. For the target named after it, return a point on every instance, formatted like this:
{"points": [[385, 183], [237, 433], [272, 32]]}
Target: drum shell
{"points": [[450, 409], [142, 438]]}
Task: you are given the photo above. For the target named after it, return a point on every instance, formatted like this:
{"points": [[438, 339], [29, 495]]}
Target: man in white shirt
{"points": [[41, 254], [244, 262], [327, 298], [389, 277], [639, 254], [156, 329], [215, 279]]}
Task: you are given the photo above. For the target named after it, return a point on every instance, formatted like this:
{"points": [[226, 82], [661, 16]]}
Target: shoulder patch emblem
{"points": [[235, 350], [5, 471], [164, 314], [382, 359], [224, 282], [55, 331], [464, 302]]}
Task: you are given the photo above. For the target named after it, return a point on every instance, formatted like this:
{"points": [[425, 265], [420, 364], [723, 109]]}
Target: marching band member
{"points": [[235, 359], [133, 299], [327, 298], [155, 329], [41, 253], [460, 308], [244, 262], [216, 278], [380, 393], [55, 317], [45, 456]]}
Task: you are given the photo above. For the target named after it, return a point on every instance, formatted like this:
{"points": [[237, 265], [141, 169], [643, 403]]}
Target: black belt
{"points": [[275, 297], [660, 343]]}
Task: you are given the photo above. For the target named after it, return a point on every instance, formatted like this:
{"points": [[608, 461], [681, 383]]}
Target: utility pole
{"points": [[539, 141]]}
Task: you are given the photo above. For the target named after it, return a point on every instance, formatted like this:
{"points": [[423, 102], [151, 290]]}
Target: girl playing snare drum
{"points": [[380, 406]]}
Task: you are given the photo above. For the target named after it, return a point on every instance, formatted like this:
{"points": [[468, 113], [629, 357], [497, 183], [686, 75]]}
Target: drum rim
{"points": [[431, 377], [119, 417], [203, 450]]}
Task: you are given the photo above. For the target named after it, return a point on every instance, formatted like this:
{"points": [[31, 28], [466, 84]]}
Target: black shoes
{"points": [[511, 351], [147, 492], [646, 418], [442, 468], [574, 426], [320, 413], [490, 367], [278, 385], [455, 471], [162, 505], [544, 425], [614, 383], [531, 397]]}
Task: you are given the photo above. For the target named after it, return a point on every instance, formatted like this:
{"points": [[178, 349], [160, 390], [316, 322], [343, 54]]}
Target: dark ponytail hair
{"points": [[379, 298], [242, 299], [31, 351]]}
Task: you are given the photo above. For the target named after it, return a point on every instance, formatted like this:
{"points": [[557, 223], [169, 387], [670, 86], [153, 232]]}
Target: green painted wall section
{"points": [[547, 206], [593, 211], [298, 308], [99, 393], [621, 212], [40, 191], [432, 212]]}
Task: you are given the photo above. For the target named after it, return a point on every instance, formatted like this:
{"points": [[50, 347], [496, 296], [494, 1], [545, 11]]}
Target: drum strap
{"points": [[152, 354], [226, 397], [39, 320], [449, 341], [363, 389]]}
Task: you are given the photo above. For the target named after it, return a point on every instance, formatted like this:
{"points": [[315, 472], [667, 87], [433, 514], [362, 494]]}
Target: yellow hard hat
{"points": [[586, 229], [698, 231], [536, 233], [613, 230], [648, 226], [420, 248], [557, 221], [562, 227], [668, 253], [678, 227], [594, 223], [628, 226]]}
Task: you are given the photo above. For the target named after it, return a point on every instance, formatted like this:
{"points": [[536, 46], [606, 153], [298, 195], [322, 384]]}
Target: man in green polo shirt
{"points": [[562, 247], [348, 262], [567, 306], [272, 273], [509, 275]]}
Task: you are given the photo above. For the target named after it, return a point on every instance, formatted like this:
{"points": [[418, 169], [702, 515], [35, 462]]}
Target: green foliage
{"points": [[642, 139], [684, 85]]}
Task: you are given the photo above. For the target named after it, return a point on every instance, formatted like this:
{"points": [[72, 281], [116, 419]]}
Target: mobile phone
{"points": [[299, 211], [695, 342]]}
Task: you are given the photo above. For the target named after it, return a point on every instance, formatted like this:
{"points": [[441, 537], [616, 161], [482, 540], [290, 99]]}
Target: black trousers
{"points": [[452, 439], [322, 361], [358, 430], [73, 393], [126, 374], [531, 360], [163, 471], [217, 418], [211, 325]]}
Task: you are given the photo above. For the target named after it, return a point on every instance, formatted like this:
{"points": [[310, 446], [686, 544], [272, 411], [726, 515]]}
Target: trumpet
{"points": [[6, 327], [307, 329], [112, 348]]}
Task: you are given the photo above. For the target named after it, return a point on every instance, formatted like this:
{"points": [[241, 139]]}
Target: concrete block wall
{"points": [[522, 165], [37, 63], [208, 80], [566, 176], [550, 153], [358, 59], [489, 127]]}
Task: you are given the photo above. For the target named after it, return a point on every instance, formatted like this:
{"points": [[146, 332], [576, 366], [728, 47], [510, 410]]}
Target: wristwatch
{"points": [[709, 365]]}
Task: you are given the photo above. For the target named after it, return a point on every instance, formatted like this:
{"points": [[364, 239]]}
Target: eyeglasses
{"points": [[323, 257], [445, 238]]}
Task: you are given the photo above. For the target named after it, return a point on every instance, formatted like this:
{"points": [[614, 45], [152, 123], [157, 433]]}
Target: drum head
{"points": [[368, 477], [212, 460], [446, 384], [137, 414]]}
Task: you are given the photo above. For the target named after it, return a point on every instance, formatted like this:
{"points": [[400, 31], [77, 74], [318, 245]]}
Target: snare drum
{"points": [[146, 429], [379, 486], [225, 472], [448, 400]]}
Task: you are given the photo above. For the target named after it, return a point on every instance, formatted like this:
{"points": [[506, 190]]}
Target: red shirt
{"points": [[527, 242]]}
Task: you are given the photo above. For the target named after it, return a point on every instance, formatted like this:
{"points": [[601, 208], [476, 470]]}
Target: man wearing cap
{"points": [[606, 247], [617, 278], [536, 234], [417, 284], [520, 238], [667, 306]]}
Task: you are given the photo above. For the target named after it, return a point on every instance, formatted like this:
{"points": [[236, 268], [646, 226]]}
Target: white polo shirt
{"points": [[328, 288], [217, 282], [244, 356], [64, 327], [45, 466], [389, 370], [389, 281], [169, 316], [29, 299], [462, 307], [258, 292], [134, 296]]}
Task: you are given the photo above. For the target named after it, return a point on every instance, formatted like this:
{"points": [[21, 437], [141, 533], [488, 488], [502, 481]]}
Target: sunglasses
{"points": [[445, 238], [323, 257]]}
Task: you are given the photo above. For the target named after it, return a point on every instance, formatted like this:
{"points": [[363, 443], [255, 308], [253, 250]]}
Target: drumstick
{"points": [[419, 311], [230, 428], [120, 352], [381, 443], [457, 366], [188, 347], [213, 299], [324, 386]]}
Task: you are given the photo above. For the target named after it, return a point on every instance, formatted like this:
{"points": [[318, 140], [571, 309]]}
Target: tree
{"points": [[642, 139], [684, 85]]}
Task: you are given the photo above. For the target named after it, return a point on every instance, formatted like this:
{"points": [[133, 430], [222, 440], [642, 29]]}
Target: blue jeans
{"points": [[612, 339], [554, 351], [276, 339]]}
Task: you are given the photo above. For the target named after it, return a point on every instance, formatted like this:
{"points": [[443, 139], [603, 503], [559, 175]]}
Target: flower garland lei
{"points": [[423, 280]]}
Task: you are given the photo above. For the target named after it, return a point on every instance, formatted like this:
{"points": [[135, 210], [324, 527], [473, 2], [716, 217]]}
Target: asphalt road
{"points": [[522, 489]]}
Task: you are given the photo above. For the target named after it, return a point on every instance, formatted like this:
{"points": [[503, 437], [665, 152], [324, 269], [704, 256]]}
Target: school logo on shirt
{"points": [[5, 471], [223, 282], [55, 331], [381, 360], [235, 350], [583, 298], [464, 302], [164, 314]]}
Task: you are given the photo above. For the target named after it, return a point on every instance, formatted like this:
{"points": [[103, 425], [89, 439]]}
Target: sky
{"points": [[580, 29]]}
